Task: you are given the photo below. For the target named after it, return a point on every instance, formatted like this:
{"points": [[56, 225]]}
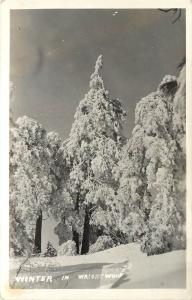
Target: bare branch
{"points": [[178, 17], [176, 11], [165, 10]]}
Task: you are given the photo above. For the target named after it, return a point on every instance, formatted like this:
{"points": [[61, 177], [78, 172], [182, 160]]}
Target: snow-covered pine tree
{"points": [[32, 183], [148, 203], [50, 251], [91, 152], [165, 222]]}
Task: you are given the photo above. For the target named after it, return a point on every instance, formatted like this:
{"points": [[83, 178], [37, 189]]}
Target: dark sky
{"points": [[53, 53]]}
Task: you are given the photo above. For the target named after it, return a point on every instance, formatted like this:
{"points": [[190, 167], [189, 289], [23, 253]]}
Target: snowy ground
{"points": [[120, 267]]}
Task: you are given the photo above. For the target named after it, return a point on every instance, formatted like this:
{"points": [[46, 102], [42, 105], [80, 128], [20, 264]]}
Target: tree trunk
{"points": [[75, 233], [76, 240], [38, 233], [86, 233]]}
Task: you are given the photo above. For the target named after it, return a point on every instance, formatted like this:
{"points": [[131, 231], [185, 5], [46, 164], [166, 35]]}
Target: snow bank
{"points": [[113, 255], [158, 271]]}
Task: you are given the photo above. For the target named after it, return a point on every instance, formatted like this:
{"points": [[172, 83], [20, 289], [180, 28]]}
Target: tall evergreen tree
{"points": [[148, 202], [32, 184], [165, 224], [91, 152]]}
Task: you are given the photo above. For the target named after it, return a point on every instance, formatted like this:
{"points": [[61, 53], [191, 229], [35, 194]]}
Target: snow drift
{"points": [[137, 270]]}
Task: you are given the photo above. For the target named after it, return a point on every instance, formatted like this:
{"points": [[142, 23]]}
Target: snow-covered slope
{"points": [[140, 271]]}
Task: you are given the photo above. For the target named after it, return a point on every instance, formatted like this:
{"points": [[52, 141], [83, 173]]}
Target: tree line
{"points": [[99, 182]]}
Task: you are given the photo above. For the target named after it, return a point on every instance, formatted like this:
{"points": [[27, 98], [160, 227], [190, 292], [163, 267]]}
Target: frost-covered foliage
{"points": [[166, 224], [32, 182], [95, 138], [93, 149], [102, 243], [128, 192], [50, 251], [150, 208], [68, 248], [20, 234], [134, 197]]}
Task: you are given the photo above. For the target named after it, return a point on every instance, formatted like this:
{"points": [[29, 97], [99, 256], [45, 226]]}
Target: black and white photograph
{"points": [[97, 148]]}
